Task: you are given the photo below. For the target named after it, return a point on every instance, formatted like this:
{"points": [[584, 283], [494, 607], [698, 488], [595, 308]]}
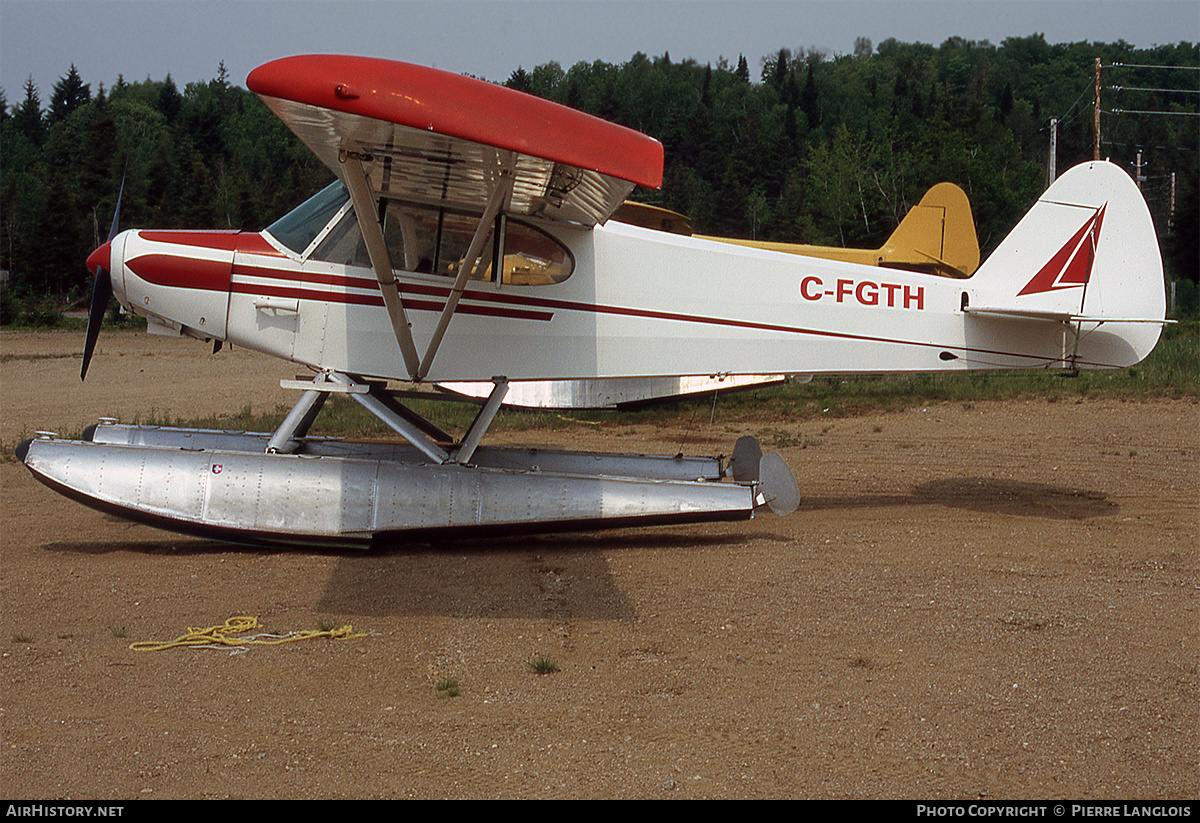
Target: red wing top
{"points": [[439, 138]]}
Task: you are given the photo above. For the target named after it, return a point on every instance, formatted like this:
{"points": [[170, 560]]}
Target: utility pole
{"points": [[1171, 211], [1137, 177], [1096, 113], [1052, 164]]}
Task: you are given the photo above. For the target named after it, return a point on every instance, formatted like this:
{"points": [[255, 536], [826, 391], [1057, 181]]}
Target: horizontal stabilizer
{"points": [[1059, 317]]}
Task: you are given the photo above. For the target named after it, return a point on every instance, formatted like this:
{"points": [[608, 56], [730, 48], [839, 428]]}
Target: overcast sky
{"points": [[491, 38]]}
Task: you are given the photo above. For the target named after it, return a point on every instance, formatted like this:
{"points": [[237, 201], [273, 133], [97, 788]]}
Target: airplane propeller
{"points": [[102, 290]]}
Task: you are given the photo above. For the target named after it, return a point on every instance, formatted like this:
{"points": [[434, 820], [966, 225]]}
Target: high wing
{"points": [[395, 131], [438, 138]]}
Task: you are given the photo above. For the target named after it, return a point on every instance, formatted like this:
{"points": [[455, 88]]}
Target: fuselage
{"points": [[568, 303]]}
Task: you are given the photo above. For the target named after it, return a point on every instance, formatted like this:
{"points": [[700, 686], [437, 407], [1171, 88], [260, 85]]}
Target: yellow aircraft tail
{"points": [[937, 235]]}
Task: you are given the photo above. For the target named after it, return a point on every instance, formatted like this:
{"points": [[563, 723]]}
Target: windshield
{"points": [[297, 228]]}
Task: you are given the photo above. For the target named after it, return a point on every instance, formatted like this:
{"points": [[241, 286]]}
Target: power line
{"points": [[1139, 145], [1147, 111], [1071, 107], [1165, 91], [1148, 66], [1097, 110]]}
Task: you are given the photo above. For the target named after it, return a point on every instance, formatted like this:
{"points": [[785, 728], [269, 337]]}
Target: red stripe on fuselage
{"points": [[354, 298], [532, 304], [219, 240], [182, 272], [307, 277]]}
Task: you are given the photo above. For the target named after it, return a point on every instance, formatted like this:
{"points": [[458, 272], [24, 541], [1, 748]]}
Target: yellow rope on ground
{"points": [[577, 420], [224, 635]]}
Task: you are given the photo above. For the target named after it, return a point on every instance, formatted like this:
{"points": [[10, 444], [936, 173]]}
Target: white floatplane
{"points": [[469, 239]]}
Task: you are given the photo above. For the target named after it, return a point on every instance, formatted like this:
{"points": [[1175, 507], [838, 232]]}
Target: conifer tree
{"points": [[519, 80], [69, 93], [743, 69], [27, 117]]}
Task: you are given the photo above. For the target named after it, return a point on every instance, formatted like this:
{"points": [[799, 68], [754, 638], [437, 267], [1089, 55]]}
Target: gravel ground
{"points": [[996, 601]]}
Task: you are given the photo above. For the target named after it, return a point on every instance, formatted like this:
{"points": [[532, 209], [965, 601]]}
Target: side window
{"points": [[343, 244], [533, 258], [433, 241]]}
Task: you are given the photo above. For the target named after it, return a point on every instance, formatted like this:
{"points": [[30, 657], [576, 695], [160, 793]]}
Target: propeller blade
{"points": [[101, 293], [116, 221], [101, 286]]}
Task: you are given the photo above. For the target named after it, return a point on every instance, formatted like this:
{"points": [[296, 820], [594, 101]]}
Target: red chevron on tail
{"points": [[1072, 264]]}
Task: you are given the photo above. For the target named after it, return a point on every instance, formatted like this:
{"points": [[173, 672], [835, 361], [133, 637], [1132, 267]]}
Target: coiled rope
{"points": [[228, 634]]}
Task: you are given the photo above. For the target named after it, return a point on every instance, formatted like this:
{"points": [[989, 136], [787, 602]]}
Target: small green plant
{"points": [[325, 624], [117, 631], [777, 438], [448, 688], [22, 638], [542, 665]]}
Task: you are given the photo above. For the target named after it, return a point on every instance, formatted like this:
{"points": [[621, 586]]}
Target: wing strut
{"points": [[500, 195], [364, 209], [482, 420]]}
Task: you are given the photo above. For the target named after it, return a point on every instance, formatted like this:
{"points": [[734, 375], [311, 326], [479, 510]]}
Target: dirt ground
{"points": [[996, 600]]}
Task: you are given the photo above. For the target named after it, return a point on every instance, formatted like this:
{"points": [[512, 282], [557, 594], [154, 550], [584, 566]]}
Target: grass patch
{"points": [[448, 688], [542, 665], [777, 438], [1171, 371], [9, 358]]}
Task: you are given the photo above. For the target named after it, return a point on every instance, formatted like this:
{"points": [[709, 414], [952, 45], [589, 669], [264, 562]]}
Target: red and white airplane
{"points": [[468, 239]]}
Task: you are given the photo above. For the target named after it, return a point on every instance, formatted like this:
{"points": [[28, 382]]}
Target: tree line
{"points": [[208, 156], [805, 146]]}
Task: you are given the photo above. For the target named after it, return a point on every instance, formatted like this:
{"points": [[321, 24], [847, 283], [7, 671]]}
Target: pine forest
{"points": [[793, 146]]}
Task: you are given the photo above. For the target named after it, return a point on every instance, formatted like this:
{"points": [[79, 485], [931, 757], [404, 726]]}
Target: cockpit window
{"points": [[423, 239], [297, 228], [436, 241]]}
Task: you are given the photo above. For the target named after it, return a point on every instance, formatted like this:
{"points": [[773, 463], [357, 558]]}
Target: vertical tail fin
{"points": [[937, 236], [938, 233], [1086, 254]]}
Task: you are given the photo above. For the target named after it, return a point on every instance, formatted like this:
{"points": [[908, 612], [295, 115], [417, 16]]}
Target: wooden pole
{"points": [[1171, 211], [1052, 164]]}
